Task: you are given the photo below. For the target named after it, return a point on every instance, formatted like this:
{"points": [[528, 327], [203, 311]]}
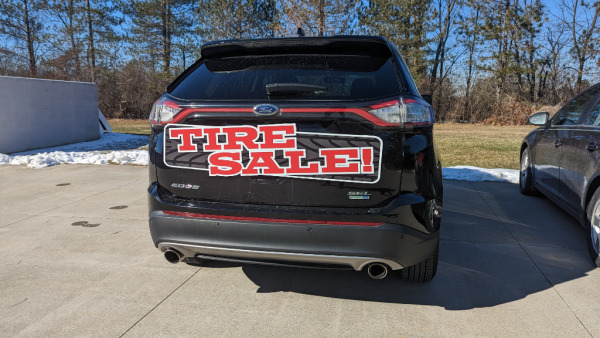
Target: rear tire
{"points": [[593, 227], [525, 176], [421, 272]]}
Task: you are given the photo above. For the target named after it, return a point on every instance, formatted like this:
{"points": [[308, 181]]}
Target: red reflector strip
{"points": [[170, 104], [384, 104], [362, 113], [268, 220], [187, 111]]}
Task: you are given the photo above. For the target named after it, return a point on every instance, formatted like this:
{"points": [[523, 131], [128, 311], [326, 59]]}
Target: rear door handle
{"points": [[592, 147], [557, 143]]}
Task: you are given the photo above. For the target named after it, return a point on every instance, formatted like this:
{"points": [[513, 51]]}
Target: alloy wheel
{"points": [[595, 228], [524, 166]]}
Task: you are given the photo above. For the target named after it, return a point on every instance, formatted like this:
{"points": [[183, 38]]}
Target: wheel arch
{"points": [[523, 146], [591, 189]]}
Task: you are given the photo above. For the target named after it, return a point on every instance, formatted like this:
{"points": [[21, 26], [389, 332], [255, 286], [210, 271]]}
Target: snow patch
{"points": [[107, 149], [475, 174]]}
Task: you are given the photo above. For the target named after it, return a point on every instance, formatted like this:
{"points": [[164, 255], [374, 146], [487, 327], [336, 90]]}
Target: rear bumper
{"points": [[326, 245], [274, 257], [351, 246]]}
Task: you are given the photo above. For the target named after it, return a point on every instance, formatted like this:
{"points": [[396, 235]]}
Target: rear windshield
{"points": [[309, 77]]}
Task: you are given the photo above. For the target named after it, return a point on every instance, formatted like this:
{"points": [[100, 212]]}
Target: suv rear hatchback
{"points": [[314, 152]]}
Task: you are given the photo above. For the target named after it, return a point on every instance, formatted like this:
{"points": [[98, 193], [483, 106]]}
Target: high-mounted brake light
{"points": [[403, 112], [163, 111]]}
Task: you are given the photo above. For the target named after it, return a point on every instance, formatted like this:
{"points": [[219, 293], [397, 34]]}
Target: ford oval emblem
{"points": [[265, 110]]}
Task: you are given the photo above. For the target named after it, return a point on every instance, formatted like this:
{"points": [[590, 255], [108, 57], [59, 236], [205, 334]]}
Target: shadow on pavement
{"points": [[497, 247]]}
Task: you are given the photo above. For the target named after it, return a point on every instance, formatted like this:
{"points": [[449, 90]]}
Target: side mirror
{"points": [[539, 119], [428, 99]]}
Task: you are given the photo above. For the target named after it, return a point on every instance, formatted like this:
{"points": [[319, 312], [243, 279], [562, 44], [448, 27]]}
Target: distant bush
{"points": [[510, 113]]}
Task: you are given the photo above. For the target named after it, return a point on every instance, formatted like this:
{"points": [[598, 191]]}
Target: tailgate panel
{"points": [[371, 181]]}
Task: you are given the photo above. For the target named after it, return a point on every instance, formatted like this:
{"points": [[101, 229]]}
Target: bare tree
{"points": [[22, 21], [581, 21], [245, 19], [470, 38], [101, 21], [319, 17], [445, 18], [552, 64], [67, 28]]}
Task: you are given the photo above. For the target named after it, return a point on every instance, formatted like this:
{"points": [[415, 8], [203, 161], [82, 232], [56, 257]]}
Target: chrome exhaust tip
{"points": [[377, 270], [173, 256]]}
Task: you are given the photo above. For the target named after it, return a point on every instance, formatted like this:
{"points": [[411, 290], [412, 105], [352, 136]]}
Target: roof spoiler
{"points": [[357, 45]]}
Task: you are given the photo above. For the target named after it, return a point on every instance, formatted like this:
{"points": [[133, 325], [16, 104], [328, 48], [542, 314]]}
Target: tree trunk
{"points": [[582, 47], [440, 97], [74, 45], [578, 83], [442, 39], [518, 62], [532, 83], [503, 50], [321, 17], [91, 49], [471, 46], [30, 49], [166, 35]]}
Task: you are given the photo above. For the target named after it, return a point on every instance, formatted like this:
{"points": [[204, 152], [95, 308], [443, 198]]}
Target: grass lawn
{"points": [[480, 145], [128, 126], [460, 144]]}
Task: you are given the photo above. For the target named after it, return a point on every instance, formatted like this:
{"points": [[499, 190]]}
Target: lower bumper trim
{"points": [[270, 220], [242, 255]]}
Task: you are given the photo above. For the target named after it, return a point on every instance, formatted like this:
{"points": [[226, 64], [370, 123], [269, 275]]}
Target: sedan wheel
{"points": [[594, 227], [525, 177]]}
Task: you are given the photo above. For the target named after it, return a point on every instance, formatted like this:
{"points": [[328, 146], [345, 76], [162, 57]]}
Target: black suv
{"points": [[314, 152]]}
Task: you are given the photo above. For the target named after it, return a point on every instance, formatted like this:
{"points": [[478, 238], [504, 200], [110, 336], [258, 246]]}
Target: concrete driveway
{"points": [[77, 260]]}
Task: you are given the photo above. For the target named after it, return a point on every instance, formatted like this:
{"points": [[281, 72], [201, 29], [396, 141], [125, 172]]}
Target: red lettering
{"points": [[275, 136], [225, 163], [295, 167], [262, 160], [337, 161], [367, 160], [212, 143], [225, 146], [186, 135], [238, 136]]}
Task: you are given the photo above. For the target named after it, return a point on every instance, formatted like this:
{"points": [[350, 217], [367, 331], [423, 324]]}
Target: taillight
{"points": [[403, 112], [163, 111], [417, 113], [388, 111]]}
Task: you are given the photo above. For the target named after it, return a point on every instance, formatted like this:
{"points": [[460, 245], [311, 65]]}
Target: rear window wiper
{"points": [[294, 89]]}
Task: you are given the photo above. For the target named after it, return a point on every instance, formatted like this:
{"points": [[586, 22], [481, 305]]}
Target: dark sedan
{"points": [[561, 160]]}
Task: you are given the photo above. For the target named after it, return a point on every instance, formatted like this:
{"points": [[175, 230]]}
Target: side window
{"points": [[593, 118], [571, 112]]}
